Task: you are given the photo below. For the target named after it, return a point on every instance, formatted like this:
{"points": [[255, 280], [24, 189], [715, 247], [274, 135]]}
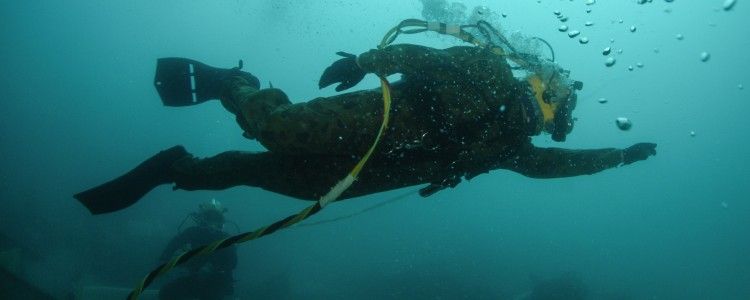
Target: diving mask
{"points": [[555, 97]]}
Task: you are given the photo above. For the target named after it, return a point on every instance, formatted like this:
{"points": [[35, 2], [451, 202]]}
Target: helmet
{"points": [[555, 98], [210, 214]]}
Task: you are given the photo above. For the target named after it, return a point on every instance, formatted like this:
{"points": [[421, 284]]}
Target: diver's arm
{"points": [[556, 162], [403, 58]]}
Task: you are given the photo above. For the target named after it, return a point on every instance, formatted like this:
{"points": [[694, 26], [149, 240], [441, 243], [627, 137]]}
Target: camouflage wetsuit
{"points": [[457, 112]]}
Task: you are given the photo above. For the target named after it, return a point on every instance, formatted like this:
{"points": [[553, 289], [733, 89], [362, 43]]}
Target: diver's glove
{"points": [[344, 71], [640, 151]]}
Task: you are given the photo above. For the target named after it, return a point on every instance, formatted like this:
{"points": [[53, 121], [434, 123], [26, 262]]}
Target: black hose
{"points": [[497, 34], [551, 50], [351, 215]]}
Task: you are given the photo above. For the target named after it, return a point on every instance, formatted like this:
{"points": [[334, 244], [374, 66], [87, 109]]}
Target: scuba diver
{"points": [[457, 113], [209, 277]]}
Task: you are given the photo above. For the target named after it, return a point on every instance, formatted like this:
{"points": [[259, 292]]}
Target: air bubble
{"points": [[729, 4], [610, 61], [623, 123]]}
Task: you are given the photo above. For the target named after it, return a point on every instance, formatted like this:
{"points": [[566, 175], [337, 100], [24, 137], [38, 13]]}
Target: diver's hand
{"points": [[640, 151], [344, 71]]}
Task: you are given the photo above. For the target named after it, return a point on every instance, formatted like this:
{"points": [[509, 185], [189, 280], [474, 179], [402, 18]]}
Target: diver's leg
{"points": [[302, 177], [296, 176], [307, 177], [344, 124], [250, 105]]}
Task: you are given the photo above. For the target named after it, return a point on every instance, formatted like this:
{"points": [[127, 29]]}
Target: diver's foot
{"points": [[127, 189], [214, 83]]}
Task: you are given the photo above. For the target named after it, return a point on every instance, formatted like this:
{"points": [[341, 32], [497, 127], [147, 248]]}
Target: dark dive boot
{"points": [[127, 189], [184, 82]]}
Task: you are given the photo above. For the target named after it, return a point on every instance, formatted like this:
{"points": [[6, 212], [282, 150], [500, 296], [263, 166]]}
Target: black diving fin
{"points": [[185, 82], [127, 189]]}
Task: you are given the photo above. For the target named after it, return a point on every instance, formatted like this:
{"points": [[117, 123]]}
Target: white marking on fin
{"points": [[192, 83]]}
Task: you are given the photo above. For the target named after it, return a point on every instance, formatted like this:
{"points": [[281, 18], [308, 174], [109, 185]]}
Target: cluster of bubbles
{"points": [[458, 13], [582, 39], [574, 33], [609, 53], [610, 59], [441, 10], [728, 4]]}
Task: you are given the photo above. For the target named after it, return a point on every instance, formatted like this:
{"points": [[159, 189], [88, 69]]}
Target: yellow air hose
{"points": [[331, 196]]}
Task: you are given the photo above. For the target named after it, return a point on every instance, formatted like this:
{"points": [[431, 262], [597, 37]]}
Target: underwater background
{"points": [[79, 108]]}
